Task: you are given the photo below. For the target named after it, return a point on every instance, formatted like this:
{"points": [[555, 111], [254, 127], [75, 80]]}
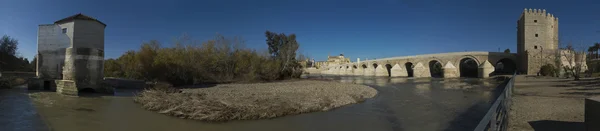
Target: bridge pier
{"points": [[349, 71], [397, 70], [450, 71], [381, 71], [342, 71], [485, 69], [359, 71], [369, 71], [420, 71]]}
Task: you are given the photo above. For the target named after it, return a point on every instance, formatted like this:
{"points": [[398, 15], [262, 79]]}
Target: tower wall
{"points": [[51, 50], [84, 59], [537, 40]]}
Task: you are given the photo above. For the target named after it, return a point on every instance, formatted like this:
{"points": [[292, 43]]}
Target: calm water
{"points": [[401, 104]]}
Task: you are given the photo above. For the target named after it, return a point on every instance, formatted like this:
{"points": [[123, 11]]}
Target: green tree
{"points": [[112, 68], [283, 48], [507, 51], [8, 45], [9, 61], [33, 64]]}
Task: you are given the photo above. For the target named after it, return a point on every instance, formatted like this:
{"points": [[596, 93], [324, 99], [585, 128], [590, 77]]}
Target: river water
{"points": [[427, 104]]}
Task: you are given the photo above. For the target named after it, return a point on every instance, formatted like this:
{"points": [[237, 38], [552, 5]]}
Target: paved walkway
{"points": [[550, 104]]}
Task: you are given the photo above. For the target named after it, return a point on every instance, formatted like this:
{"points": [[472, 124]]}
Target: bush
{"points": [[219, 60], [548, 70]]}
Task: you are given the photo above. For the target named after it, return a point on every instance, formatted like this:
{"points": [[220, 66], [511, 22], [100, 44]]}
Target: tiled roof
{"points": [[78, 17]]}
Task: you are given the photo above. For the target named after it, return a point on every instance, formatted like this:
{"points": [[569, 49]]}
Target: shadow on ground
{"points": [[582, 93], [551, 125], [594, 82]]}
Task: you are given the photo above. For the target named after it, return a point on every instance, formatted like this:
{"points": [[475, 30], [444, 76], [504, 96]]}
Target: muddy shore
{"points": [[225, 102]]}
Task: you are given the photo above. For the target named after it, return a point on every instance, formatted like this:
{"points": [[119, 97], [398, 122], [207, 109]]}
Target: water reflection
{"points": [[401, 104], [17, 112]]}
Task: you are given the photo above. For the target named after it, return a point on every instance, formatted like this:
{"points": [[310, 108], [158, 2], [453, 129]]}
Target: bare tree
{"points": [[573, 61]]}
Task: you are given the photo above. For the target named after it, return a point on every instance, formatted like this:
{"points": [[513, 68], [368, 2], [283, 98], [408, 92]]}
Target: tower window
{"points": [[64, 30], [536, 35], [535, 21], [535, 47]]}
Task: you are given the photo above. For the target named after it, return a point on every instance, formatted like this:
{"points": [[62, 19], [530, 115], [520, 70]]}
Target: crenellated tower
{"points": [[537, 40]]}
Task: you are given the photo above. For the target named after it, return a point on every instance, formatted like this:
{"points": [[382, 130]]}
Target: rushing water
{"points": [[401, 104]]}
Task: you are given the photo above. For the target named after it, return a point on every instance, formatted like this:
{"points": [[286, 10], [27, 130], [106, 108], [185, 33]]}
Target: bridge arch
{"points": [[388, 67], [505, 66], [435, 68], [87, 90], [468, 67], [409, 69]]}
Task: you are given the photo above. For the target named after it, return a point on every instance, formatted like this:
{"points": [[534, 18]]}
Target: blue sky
{"points": [[357, 28]]}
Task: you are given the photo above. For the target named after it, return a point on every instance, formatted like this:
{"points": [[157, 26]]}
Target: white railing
{"points": [[496, 119]]}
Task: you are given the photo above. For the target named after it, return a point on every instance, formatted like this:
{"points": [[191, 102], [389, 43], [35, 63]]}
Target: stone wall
{"points": [[51, 51]]}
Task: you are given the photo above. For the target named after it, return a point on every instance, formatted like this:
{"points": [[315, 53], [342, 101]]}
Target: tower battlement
{"points": [[538, 12]]}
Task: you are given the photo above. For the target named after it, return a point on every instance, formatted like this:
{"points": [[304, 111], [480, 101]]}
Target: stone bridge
{"points": [[447, 65]]}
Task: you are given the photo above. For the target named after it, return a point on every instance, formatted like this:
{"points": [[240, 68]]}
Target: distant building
{"points": [[333, 60]]}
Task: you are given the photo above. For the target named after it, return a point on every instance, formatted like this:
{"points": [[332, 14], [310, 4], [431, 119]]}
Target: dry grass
{"points": [[253, 101]]}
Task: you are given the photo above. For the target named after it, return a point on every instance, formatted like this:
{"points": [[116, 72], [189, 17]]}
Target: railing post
{"points": [[493, 120]]}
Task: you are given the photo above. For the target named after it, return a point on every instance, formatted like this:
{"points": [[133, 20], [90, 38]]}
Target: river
{"points": [[427, 104]]}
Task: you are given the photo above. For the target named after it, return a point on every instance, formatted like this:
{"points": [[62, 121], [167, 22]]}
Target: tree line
{"points": [[219, 60], [10, 60]]}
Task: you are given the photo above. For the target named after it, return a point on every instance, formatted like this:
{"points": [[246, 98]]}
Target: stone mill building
{"points": [[71, 56]]}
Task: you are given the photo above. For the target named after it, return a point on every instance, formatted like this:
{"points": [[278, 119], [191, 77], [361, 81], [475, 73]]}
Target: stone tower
{"points": [[537, 40], [71, 55]]}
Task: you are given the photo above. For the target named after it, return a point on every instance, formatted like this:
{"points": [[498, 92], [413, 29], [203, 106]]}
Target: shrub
{"points": [[219, 60], [548, 70]]}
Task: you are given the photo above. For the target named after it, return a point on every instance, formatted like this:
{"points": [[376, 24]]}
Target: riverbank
{"points": [[226, 102], [550, 103]]}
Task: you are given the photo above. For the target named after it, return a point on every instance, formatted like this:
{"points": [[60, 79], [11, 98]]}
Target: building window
{"points": [[535, 21], [64, 30], [536, 35], [535, 47]]}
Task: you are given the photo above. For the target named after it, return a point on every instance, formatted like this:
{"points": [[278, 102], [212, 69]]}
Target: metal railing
{"points": [[496, 119]]}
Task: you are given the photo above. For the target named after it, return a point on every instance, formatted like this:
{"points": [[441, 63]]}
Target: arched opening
{"points": [[505, 67], [435, 68], [87, 90], [46, 85], [364, 66], [468, 67], [409, 69], [354, 66], [389, 69], [374, 65]]}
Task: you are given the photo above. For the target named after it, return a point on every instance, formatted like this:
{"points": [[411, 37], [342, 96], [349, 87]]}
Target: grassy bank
{"points": [[253, 101]]}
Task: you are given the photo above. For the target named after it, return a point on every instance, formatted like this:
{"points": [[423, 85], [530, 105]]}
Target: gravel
{"points": [[226, 102], [550, 103]]}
